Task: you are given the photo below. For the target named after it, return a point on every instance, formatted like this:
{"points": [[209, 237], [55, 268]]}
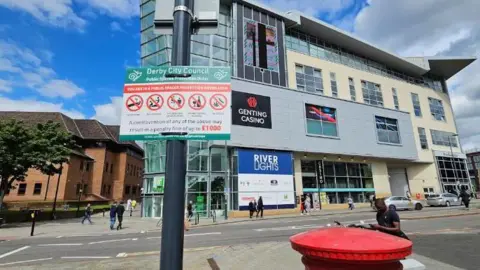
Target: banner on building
{"points": [[251, 110], [267, 174]]}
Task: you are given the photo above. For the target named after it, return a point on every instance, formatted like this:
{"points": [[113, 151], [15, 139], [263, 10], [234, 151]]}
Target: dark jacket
{"points": [[464, 195], [189, 207], [251, 207], [88, 211], [260, 204], [113, 211], [120, 210]]}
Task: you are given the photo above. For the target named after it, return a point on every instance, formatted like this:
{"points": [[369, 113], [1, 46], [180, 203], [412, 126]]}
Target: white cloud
{"points": [[109, 113], [122, 9], [60, 88], [433, 27], [7, 65], [116, 27], [5, 86], [58, 13], [32, 105]]}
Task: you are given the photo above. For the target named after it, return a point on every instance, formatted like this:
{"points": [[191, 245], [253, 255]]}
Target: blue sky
{"points": [[70, 55]]}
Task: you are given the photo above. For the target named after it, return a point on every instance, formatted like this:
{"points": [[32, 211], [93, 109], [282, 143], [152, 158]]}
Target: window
{"points": [[197, 159], [104, 189], [111, 168], [387, 130], [37, 189], [321, 120], [134, 190], [106, 167], [436, 109], [78, 188], [109, 189], [372, 94], [127, 190], [423, 138], [443, 138], [21, 189], [309, 79], [351, 85], [416, 105], [395, 99], [88, 167], [81, 165], [85, 188], [333, 83]]}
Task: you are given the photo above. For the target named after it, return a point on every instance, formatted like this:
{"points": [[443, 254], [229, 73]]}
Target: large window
{"points": [[395, 99], [309, 79], [443, 138], [423, 138], [387, 130], [416, 105], [436, 109], [197, 156], [21, 189], [155, 156], [321, 120], [37, 189], [452, 170], [372, 93], [353, 93], [333, 84], [341, 175]]}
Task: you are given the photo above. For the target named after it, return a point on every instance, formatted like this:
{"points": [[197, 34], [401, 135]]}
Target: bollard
{"points": [[214, 216], [350, 249], [197, 218]]}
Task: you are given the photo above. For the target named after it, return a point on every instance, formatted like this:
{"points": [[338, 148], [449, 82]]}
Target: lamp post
{"points": [[453, 160]]}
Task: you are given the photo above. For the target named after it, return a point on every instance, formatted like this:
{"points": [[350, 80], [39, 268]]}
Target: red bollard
{"points": [[350, 249]]}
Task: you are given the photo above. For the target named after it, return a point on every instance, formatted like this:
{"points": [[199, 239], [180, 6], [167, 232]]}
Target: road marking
{"points": [[63, 244], [36, 260], [13, 251], [86, 257], [198, 234], [122, 255], [301, 227], [134, 239], [155, 237], [60, 236], [156, 252], [110, 241]]}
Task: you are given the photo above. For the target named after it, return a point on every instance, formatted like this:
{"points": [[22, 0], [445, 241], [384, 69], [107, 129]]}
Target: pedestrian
{"points": [[113, 213], [88, 214], [260, 207], [388, 220], [189, 210], [134, 204], [372, 199], [408, 195], [302, 205], [254, 206], [351, 206], [307, 205], [120, 211], [251, 208], [465, 198], [129, 204]]}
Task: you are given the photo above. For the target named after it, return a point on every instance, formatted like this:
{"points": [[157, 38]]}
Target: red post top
{"points": [[351, 244]]}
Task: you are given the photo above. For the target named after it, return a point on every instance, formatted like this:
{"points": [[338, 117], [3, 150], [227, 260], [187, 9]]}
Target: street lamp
{"points": [[78, 203], [453, 159]]}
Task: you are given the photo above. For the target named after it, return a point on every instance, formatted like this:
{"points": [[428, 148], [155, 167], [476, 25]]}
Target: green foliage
{"points": [[44, 147]]}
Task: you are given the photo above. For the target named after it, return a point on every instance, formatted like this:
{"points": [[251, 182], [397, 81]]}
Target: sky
{"points": [[70, 55]]}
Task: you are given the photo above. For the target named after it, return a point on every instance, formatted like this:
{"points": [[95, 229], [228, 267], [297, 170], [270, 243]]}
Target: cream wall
{"points": [[422, 176], [404, 91], [380, 179]]}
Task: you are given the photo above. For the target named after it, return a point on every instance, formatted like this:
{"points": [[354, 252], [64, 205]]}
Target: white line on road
{"points": [[36, 260], [155, 237], [122, 255], [86, 257], [110, 241], [134, 239], [63, 244], [198, 234], [60, 236], [13, 251]]}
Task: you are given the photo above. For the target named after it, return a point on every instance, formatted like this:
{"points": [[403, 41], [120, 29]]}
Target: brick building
{"points": [[473, 164], [104, 169]]}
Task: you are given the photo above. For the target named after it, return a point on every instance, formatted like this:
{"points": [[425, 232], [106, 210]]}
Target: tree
{"points": [[17, 154]]}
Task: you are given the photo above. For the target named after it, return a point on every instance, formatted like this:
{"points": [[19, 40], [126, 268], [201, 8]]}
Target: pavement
{"points": [[447, 242]]}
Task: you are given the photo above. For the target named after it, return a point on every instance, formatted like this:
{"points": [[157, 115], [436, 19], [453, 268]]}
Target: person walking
{"points": [[351, 206], [308, 205], [408, 195], [189, 210], [129, 206], [134, 204], [120, 211], [88, 214], [113, 213], [251, 208], [465, 198], [260, 207]]}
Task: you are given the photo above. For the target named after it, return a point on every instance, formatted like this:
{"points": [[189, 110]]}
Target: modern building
{"points": [[321, 112], [104, 169], [473, 165]]}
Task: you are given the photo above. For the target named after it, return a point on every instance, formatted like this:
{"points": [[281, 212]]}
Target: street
{"points": [[451, 240]]}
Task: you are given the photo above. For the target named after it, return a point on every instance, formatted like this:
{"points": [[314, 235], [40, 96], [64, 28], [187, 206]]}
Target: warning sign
{"points": [[176, 101], [178, 107], [134, 103], [155, 102], [218, 102], [197, 101]]}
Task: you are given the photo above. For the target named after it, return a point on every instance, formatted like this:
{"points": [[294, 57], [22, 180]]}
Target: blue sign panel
{"points": [[264, 162]]}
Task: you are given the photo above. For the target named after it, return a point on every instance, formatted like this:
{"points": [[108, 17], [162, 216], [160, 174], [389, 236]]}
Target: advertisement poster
{"points": [[251, 110], [168, 103], [260, 45], [158, 184], [323, 198], [316, 201], [267, 174]]}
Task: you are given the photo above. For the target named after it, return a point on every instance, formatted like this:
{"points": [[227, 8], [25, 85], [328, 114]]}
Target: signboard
{"points": [[160, 105], [267, 174], [158, 184], [251, 110]]}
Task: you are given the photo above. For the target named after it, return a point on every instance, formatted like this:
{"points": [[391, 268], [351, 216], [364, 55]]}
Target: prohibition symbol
{"points": [[197, 101], [218, 102], [155, 102], [175, 101], [134, 103]]}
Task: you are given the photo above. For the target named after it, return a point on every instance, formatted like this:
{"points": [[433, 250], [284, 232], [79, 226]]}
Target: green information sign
{"points": [[158, 184]]}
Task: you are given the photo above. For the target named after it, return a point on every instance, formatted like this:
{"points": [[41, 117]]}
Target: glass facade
{"points": [[353, 93], [315, 47], [395, 99], [416, 105], [372, 93], [338, 180], [333, 84], [387, 130], [453, 171], [443, 138], [423, 138], [436, 109], [309, 79]]}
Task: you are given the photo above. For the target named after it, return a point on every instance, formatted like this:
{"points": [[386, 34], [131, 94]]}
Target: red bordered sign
{"points": [[155, 102], [134, 103], [197, 101], [218, 102], [175, 101]]}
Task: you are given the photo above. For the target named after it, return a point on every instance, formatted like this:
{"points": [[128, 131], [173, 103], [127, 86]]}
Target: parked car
{"points": [[443, 199], [403, 203]]}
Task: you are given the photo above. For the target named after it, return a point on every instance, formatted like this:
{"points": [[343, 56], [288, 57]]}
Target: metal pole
{"points": [[453, 162], [171, 252], [56, 193], [227, 174]]}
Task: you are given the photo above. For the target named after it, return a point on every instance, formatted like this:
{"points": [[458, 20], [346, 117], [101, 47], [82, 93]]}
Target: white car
{"points": [[444, 199], [403, 203]]}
